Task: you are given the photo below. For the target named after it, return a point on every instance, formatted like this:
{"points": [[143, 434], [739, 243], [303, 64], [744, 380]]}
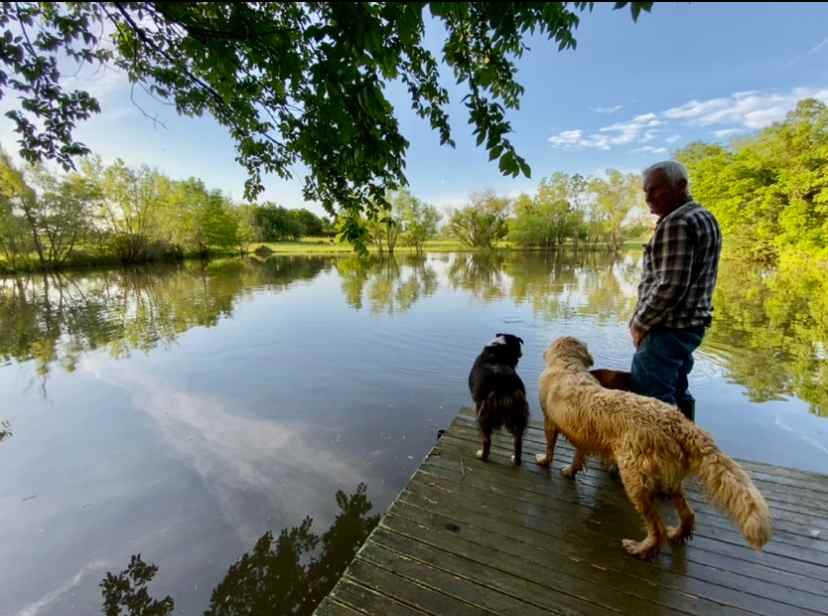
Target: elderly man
{"points": [[675, 295]]}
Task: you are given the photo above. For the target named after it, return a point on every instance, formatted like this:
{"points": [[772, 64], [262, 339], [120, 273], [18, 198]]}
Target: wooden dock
{"points": [[465, 538]]}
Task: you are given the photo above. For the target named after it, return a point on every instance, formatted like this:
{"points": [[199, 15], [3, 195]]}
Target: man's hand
{"points": [[638, 335]]}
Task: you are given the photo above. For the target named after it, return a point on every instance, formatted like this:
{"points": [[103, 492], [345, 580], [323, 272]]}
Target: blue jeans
{"points": [[662, 362]]}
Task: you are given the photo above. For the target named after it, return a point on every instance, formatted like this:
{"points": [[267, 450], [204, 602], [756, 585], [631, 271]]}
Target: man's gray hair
{"points": [[673, 169]]}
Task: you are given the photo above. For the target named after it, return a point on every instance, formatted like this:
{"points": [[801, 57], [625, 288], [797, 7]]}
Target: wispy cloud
{"points": [[801, 56], [640, 128], [739, 112], [752, 110], [241, 458], [100, 81], [613, 109], [818, 47], [34, 608], [650, 149]]}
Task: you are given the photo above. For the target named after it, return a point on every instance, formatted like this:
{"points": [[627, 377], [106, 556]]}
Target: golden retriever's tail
{"points": [[731, 489]]}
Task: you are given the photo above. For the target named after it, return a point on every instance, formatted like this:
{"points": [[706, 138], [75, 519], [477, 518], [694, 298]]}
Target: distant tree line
{"points": [[131, 214], [565, 211]]}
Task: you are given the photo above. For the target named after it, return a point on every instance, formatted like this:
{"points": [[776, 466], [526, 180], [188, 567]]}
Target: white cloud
{"points": [[641, 128], [739, 112], [695, 109], [101, 81], [751, 110], [650, 149], [567, 137], [613, 109], [650, 135]]}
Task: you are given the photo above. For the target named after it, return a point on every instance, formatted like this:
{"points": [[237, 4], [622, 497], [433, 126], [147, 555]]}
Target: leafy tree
{"points": [[290, 81], [407, 220], [328, 227], [245, 227], [384, 227], [275, 223], [128, 207], [52, 212], [311, 223], [527, 226], [215, 224], [418, 220], [769, 191], [16, 238], [483, 222], [550, 217], [614, 198]]}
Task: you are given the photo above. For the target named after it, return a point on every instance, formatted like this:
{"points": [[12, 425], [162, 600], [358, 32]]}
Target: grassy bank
{"points": [[321, 246], [306, 246], [96, 260]]}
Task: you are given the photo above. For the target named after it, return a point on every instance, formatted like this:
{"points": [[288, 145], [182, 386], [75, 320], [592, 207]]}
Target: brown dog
{"points": [[653, 444], [613, 379]]}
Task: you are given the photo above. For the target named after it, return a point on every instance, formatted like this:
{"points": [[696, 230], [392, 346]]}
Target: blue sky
{"points": [[630, 94]]}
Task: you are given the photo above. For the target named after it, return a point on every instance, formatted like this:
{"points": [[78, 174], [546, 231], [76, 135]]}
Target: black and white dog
{"points": [[498, 393]]}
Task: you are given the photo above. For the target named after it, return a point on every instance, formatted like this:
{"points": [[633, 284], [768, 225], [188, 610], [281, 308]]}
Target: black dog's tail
{"points": [[507, 407]]}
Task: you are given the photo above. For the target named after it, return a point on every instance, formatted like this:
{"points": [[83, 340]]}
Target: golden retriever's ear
{"points": [[579, 350]]}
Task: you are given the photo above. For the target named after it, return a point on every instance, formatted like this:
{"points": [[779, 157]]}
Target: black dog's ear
{"points": [[513, 336]]}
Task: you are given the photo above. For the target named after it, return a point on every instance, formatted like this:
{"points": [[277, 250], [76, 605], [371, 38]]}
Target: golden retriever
{"points": [[651, 442]]}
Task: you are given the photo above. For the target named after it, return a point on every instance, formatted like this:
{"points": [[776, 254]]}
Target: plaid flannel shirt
{"points": [[680, 265]]}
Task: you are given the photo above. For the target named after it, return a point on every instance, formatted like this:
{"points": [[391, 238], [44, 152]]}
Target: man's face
{"points": [[661, 195]]}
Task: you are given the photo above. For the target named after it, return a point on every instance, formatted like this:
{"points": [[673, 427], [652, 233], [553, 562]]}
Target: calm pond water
{"points": [[183, 412]]}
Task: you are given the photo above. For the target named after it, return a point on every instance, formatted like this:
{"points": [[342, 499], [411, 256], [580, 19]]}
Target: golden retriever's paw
{"points": [[515, 460], [541, 459], [679, 534], [645, 550], [569, 472], [480, 455]]}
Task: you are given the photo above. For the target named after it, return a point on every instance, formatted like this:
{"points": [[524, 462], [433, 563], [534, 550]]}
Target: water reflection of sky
{"points": [[274, 393]]}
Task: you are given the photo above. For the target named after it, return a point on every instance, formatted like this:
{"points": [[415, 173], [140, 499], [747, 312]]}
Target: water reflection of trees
{"points": [[771, 330], [555, 284], [287, 575], [388, 284], [771, 327], [480, 274], [56, 318]]}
